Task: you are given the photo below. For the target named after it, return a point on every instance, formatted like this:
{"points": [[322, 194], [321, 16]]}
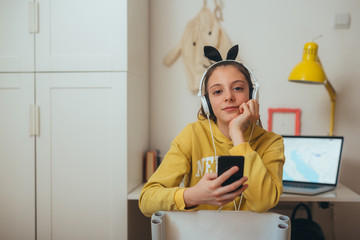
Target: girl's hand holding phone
{"points": [[209, 189]]}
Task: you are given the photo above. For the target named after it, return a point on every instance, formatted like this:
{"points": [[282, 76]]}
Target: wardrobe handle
{"points": [[33, 17], [34, 120]]}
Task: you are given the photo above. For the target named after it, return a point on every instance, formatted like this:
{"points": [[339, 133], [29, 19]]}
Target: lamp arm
{"points": [[327, 84], [330, 90], [332, 94]]}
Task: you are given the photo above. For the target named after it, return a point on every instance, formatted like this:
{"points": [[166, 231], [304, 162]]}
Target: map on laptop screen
{"points": [[312, 160]]}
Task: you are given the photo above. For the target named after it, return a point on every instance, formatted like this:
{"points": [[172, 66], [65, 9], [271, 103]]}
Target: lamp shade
{"points": [[309, 70]]}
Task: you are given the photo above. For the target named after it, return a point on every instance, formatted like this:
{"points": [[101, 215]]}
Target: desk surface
{"points": [[340, 194]]}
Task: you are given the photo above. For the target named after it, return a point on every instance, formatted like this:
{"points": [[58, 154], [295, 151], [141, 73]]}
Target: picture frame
{"points": [[296, 111]]}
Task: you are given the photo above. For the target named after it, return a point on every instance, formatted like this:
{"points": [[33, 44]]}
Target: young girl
{"points": [[227, 125]]}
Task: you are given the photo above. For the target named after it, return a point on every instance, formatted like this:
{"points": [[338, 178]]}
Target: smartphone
{"points": [[227, 162]]}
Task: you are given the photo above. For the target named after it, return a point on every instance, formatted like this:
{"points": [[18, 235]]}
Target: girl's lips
{"points": [[229, 109]]}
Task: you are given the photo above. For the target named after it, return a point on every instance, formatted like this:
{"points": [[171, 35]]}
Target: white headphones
{"points": [[204, 103]]}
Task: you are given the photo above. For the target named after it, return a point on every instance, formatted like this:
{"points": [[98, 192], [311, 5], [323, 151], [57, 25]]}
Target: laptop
{"points": [[312, 163]]}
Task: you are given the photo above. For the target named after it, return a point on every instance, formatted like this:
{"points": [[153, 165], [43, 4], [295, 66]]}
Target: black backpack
{"points": [[302, 228]]}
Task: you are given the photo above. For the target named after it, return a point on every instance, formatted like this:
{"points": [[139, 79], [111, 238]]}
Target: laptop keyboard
{"points": [[301, 185]]}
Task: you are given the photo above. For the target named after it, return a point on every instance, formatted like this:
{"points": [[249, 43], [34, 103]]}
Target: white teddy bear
{"points": [[203, 30]]}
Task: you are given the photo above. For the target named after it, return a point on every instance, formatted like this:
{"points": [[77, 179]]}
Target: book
{"points": [[151, 163]]}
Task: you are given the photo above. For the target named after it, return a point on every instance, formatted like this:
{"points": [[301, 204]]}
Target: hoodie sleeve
{"points": [[264, 172], [162, 191]]}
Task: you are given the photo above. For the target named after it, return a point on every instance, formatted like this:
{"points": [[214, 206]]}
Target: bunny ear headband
{"points": [[214, 55]]}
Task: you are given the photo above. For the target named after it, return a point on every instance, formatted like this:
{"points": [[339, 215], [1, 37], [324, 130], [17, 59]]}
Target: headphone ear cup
{"points": [[205, 105], [255, 93]]}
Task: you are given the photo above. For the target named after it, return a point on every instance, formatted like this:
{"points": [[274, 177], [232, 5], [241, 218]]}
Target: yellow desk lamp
{"points": [[310, 70]]}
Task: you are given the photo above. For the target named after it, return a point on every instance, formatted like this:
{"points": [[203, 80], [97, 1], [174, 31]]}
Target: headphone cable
{"points": [[212, 136]]}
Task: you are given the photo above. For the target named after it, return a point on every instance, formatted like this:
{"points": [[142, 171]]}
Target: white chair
{"points": [[221, 225]]}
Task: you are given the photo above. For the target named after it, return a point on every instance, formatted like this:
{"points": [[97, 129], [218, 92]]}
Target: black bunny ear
{"points": [[212, 54], [232, 53]]}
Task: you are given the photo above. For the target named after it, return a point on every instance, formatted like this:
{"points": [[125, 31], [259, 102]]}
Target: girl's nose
{"points": [[229, 97]]}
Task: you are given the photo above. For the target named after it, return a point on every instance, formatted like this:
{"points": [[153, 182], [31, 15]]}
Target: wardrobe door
{"points": [[17, 38], [82, 35], [81, 155], [17, 157]]}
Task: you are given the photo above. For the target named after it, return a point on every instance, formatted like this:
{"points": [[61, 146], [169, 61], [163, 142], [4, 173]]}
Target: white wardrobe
{"points": [[73, 116]]}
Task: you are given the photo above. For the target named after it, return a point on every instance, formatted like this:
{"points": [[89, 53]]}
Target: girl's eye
{"points": [[238, 88], [217, 92]]}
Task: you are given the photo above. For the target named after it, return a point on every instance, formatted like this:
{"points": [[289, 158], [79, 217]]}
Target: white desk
{"points": [[340, 194], [135, 194]]}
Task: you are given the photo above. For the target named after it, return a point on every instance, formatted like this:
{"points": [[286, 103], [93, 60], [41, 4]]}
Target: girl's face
{"points": [[227, 89]]}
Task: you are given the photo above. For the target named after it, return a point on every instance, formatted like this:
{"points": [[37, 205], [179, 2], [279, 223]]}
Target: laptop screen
{"points": [[312, 159]]}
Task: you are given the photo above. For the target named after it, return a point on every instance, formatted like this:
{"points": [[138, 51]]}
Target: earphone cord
{"points": [[251, 133], [238, 209], [213, 141], [212, 137]]}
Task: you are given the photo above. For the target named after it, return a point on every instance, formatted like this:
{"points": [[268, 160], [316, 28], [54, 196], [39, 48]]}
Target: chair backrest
{"points": [[219, 225]]}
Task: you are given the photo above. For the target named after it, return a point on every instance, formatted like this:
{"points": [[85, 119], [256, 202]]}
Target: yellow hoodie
{"points": [[191, 155]]}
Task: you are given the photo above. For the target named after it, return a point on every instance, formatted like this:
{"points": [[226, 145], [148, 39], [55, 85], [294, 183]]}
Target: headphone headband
{"points": [[213, 54]]}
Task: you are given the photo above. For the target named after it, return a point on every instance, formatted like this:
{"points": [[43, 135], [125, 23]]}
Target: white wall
{"points": [[271, 36]]}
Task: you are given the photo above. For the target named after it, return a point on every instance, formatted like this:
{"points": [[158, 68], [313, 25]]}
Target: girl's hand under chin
{"points": [[249, 114]]}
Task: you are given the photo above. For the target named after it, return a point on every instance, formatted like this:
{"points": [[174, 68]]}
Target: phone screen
{"points": [[227, 162]]}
